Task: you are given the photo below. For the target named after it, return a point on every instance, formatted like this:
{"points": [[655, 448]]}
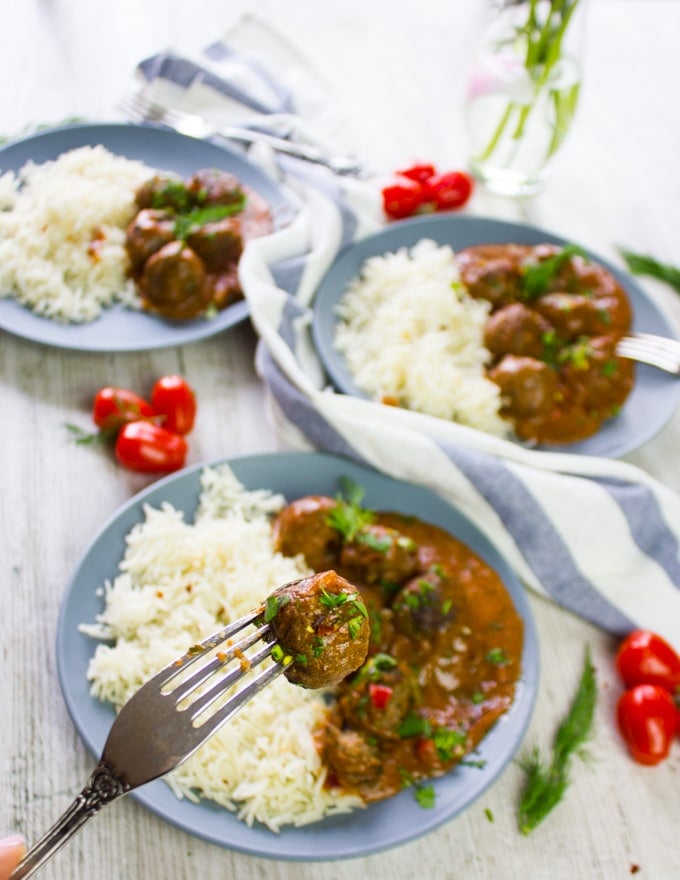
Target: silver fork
{"points": [[139, 108], [657, 351], [164, 723]]}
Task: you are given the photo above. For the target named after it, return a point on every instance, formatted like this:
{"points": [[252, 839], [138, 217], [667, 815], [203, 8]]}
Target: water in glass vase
{"points": [[516, 122]]}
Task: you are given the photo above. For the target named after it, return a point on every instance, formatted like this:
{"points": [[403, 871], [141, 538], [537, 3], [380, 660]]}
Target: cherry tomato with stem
{"points": [[114, 407], [402, 198], [450, 190], [174, 400], [646, 658], [149, 448], [646, 717]]}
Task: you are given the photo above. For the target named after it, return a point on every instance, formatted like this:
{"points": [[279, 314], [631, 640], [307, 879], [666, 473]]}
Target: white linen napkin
{"points": [[599, 537]]}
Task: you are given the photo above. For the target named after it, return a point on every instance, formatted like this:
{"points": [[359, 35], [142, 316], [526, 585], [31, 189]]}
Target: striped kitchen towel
{"points": [[598, 536]]}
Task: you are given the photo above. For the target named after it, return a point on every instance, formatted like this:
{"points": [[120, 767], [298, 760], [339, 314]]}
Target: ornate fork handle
{"points": [[102, 788]]}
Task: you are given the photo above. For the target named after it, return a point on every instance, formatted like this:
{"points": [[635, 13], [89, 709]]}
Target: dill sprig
{"points": [[546, 783], [641, 264]]}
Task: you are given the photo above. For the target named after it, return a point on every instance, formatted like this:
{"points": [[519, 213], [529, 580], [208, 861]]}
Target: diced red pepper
{"points": [[380, 694]]}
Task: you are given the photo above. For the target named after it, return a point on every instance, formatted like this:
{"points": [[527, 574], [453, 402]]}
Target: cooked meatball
{"points": [[491, 272], [353, 760], [219, 244], [322, 623], [146, 234], [225, 287], [377, 700], [528, 386], [210, 186], [173, 282], [164, 191], [379, 554], [574, 314], [601, 380], [423, 605], [516, 329], [257, 216], [303, 527]]}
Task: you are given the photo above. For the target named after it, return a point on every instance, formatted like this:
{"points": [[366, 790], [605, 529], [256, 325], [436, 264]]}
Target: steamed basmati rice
{"points": [[410, 333], [49, 216], [178, 583]]}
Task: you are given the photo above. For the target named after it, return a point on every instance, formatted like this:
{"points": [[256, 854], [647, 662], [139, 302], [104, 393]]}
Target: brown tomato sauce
{"points": [[444, 653], [553, 343]]}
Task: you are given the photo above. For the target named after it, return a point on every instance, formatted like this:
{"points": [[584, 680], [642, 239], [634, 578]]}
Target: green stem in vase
{"points": [[543, 52]]}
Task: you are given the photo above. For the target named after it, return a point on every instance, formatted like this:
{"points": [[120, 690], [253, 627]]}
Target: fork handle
{"points": [[338, 164], [102, 788]]}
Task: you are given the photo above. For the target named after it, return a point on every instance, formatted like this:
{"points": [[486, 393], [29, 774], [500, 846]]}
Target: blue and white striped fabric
{"points": [[599, 537]]}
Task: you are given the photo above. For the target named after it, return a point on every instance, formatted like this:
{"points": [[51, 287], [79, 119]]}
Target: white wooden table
{"points": [[398, 68]]}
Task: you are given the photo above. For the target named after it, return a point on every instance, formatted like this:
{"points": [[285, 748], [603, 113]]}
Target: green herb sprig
{"points": [[641, 264], [546, 783], [537, 276], [348, 516], [542, 39]]}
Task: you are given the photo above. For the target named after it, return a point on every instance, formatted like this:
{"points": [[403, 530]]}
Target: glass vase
{"points": [[523, 92]]}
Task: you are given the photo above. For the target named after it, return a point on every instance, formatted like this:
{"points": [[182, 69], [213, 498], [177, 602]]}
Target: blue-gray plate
{"points": [[119, 329], [656, 394], [382, 825]]}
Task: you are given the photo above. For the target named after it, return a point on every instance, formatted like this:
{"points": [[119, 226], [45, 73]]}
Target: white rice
{"points": [[49, 214], [409, 332], [263, 764]]}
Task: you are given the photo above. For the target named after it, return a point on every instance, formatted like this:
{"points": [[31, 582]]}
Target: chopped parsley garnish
{"points": [[272, 606], [173, 194], [375, 542], [497, 657], [354, 626], [333, 600], [372, 668], [449, 743], [488, 814], [424, 794], [348, 516], [192, 220], [537, 276], [414, 725], [578, 354]]}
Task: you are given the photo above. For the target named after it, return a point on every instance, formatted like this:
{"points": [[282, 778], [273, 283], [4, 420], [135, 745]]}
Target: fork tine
{"points": [[197, 652], [657, 351], [138, 107], [199, 705], [235, 703], [189, 685]]}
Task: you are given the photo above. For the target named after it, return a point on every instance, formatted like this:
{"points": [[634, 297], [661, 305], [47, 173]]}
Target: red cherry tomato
{"points": [[149, 448], [645, 658], [402, 198], [380, 694], [421, 173], [646, 719], [174, 400], [450, 190], [113, 407]]}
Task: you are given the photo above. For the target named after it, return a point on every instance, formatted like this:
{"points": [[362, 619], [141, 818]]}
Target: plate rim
{"points": [[333, 362], [46, 331], [312, 843]]}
